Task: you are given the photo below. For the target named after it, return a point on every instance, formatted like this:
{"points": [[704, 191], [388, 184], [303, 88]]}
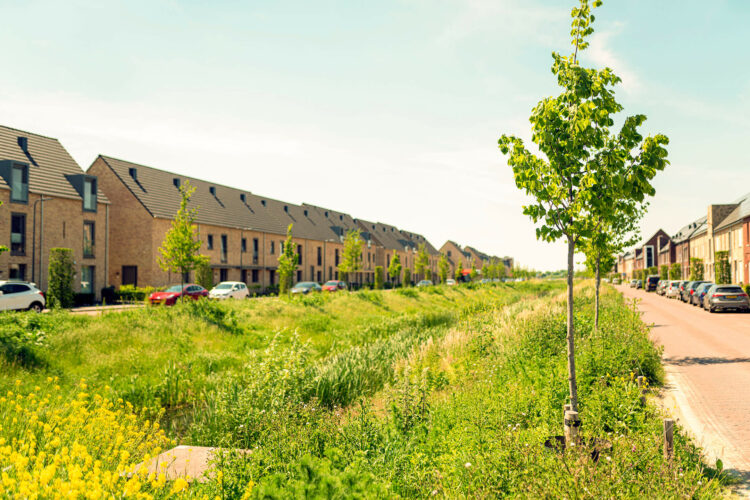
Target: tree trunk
{"points": [[596, 299], [571, 341]]}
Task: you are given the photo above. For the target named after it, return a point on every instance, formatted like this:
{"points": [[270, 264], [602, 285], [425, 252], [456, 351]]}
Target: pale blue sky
{"points": [[387, 110]]}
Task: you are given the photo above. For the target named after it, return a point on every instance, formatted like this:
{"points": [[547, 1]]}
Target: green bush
{"points": [[21, 337], [61, 273], [131, 294], [378, 277], [204, 275], [407, 277]]}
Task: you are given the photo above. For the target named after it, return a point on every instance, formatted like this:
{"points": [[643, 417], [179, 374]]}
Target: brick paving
{"points": [[707, 360]]}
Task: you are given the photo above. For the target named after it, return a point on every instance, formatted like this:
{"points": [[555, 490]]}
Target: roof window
{"points": [[263, 202], [212, 190], [243, 198], [23, 143], [286, 209], [176, 182], [133, 173]]}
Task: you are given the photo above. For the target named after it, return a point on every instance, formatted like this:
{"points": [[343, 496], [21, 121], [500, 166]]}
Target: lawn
{"points": [[442, 391]]}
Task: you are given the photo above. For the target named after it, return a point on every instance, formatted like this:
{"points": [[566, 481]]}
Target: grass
{"points": [[447, 392]]}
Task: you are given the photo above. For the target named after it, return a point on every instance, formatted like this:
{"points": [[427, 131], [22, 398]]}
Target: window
{"points": [[223, 248], [330, 273], [210, 241], [19, 185], [255, 250], [336, 257], [89, 195], [312, 273], [243, 276], [130, 275], [320, 256], [244, 245], [87, 279], [320, 277], [299, 255], [273, 244], [299, 276], [18, 272], [254, 274], [223, 274], [10, 288], [18, 234], [449, 253], [88, 239]]}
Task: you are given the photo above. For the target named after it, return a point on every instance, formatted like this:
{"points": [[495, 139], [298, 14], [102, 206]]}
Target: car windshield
{"points": [[729, 289], [174, 289], [224, 286], [331, 283], [305, 284]]}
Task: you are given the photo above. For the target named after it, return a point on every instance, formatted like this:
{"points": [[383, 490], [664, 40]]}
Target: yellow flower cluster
{"points": [[54, 445]]}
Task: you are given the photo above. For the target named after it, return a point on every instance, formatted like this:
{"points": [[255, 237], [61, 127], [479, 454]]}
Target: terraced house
{"points": [[49, 202]]}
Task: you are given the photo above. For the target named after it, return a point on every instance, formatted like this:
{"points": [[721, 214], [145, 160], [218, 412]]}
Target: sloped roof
{"points": [[742, 211], [417, 239], [53, 163], [686, 232], [157, 192]]}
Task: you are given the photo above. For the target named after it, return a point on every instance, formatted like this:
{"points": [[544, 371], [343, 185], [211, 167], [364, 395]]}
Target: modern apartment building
{"points": [[49, 202]]}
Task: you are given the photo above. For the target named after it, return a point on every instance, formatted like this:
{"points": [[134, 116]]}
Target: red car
{"points": [[334, 286], [169, 296]]}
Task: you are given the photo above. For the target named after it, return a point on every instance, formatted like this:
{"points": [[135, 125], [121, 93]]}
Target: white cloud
{"points": [[601, 54]]}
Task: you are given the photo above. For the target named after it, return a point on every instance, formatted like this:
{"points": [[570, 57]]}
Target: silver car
{"points": [[20, 296], [722, 297]]}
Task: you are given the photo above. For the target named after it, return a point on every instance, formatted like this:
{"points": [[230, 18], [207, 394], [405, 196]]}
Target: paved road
{"points": [[707, 359]]}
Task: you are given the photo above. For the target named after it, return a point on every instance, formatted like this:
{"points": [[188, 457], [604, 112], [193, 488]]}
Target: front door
{"points": [[130, 275]]}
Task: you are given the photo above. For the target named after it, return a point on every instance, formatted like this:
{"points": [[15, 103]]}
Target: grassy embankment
{"points": [[447, 392]]}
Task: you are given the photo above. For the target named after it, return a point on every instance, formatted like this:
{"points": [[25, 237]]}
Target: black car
{"points": [[652, 282]]}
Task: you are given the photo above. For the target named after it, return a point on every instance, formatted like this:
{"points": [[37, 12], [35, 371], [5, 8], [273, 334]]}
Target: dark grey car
{"points": [[697, 298], [689, 290], [726, 297]]}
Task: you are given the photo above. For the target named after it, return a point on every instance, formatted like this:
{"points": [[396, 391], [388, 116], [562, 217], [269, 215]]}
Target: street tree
{"points": [[578, 153], [394, 268], [443, 268], [474, 273], [287, 263], [422, 262], [458, 273], [351, 258], [179, 251]]}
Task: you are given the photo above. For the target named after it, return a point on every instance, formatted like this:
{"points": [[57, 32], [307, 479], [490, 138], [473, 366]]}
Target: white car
{"points": [[229, 290], [20, 295], [450, 282]]}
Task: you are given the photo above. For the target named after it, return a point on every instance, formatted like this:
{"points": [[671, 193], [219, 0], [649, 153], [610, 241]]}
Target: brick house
{"points": [[243, 233], [48, 202], [456, 255], [730, 234], [647, 254], [681, 241]]}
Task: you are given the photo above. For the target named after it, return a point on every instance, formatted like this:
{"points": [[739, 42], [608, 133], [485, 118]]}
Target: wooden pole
{"points": [[668, 438], [571, 424]]}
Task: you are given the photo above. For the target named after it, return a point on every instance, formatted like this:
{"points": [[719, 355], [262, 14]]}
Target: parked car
{"points": [[429, 283], [305, 287], [700, 292], [673, 289], [229, 290], [639, 284], [450, 282], [486, 280], [723, 297], [633, 283], [170, 296], [334, 286], [661, 287], [652, 282], [21, 295], [616, 281], [681, 288], [690, 288]]}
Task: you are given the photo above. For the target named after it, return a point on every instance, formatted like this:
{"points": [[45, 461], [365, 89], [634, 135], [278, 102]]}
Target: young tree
{"points": [[572, 131], [458, 273], [378, 277], [474, 271], [696, 269], [351, 259], [61, 273], [179, 251], [287, 263], [204, 275], [407, 277], [394, 268], [443, 268], [675, 271], [422, 262]]}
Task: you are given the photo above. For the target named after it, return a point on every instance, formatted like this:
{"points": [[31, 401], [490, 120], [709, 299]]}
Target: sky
{"points": [[386, 110]]}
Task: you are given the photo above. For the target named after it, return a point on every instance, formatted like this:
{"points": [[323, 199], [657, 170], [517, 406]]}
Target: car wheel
{"points": [[711, 309], [36, 307]]}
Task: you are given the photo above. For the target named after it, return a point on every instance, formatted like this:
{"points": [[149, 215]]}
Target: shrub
{"points": [[378, 277], [132, 294], [21, 339], [407, 277], [61, 273], [204, 275]]}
